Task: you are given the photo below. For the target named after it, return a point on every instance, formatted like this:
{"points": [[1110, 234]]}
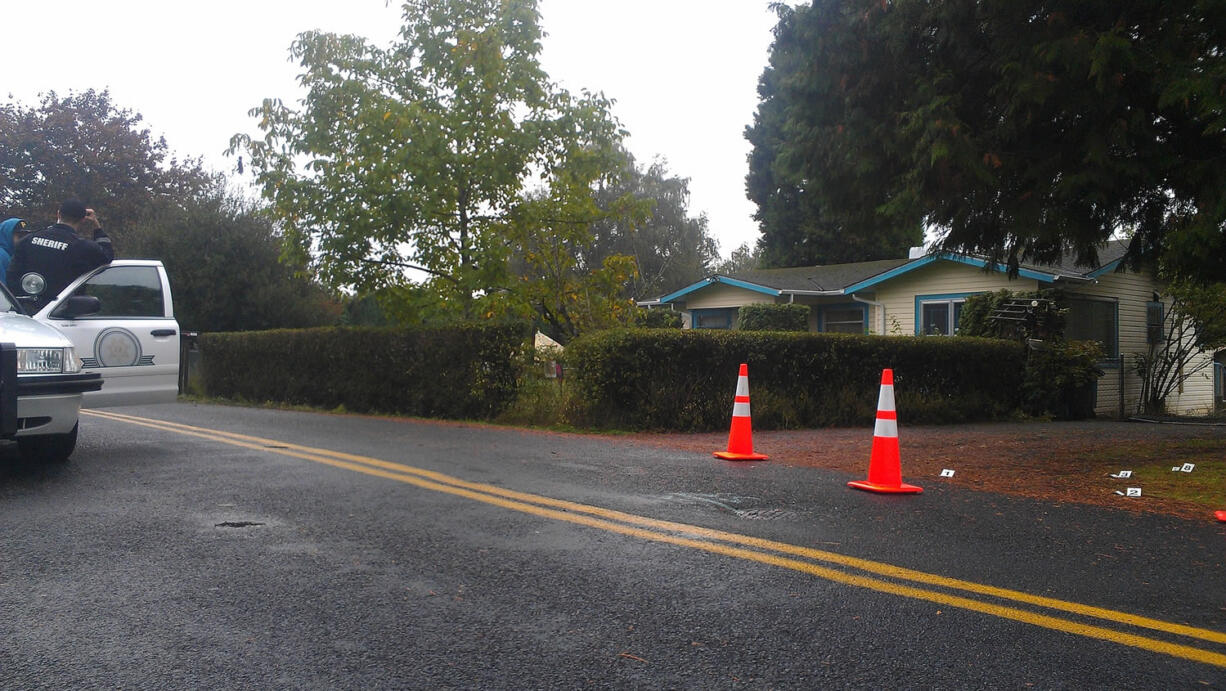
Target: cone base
{"points": [[901, 488], [1221, 515], [730, 456]]}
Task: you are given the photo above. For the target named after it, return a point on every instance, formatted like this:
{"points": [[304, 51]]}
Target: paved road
{"points": [[251, 548]]}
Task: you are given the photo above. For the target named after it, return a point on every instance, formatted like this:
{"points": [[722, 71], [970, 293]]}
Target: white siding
{"points": [[719, 295], [1133, 291]]}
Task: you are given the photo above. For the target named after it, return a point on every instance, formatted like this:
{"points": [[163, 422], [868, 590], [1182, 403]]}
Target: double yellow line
{"points": [[1092, 621]]}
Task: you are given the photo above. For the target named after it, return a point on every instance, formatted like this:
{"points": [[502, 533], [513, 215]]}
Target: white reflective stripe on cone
{"points": [[740, 410], [886, 400], [742, 386], [886, 428]]}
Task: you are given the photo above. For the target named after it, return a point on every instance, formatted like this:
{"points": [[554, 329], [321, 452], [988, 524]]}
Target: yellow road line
{"points": [[586, 515]]}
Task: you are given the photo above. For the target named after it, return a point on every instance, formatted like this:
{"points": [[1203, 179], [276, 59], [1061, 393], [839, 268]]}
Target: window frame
{"points": [[1109, 357], [950, 299], [697, 313], [102, 316]]}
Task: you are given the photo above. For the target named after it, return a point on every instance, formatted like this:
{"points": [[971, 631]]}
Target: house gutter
{"points": [[880, 308]]}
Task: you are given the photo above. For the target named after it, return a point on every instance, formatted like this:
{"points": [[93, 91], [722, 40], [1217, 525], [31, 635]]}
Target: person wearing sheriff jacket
{"points": [[60, 253]]}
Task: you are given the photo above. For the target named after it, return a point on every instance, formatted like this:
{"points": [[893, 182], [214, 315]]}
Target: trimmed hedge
{"points": [[769, 317], [465, 372], [665, 380]]}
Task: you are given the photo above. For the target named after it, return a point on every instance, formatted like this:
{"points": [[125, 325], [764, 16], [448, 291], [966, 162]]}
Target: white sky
{"points": [[683, 72]]}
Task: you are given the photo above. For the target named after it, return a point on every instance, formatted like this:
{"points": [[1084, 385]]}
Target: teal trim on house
{"points": [[1105, 268], [941, 297], [724, 280], [1023, 272], [898, 271], [748, 286], [925, 261]]}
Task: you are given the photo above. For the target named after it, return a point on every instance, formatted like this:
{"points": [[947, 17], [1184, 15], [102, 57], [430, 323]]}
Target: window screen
{"points": [[935, 317], [845, 320], [1093, 320], [713, 319]]}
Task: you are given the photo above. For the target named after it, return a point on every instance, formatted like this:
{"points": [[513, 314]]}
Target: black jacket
{"points": [[60, 256]]}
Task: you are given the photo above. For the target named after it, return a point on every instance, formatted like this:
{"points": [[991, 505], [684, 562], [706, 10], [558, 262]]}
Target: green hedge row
{"points": [[465, 372], [639, 379]]}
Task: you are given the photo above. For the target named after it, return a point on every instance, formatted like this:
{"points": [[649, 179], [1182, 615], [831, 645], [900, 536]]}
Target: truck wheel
{"points": [[49, 448]]}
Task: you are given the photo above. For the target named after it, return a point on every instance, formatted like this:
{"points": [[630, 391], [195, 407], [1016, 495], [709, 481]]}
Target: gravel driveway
{"points": [[1056, 461]]}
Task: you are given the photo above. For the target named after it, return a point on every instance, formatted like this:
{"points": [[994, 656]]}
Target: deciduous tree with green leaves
{"points": [[222, 254], [419, 154], [1018, 129]]}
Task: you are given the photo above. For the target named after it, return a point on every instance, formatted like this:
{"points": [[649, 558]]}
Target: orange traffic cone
{"points": [[885, 466], [740, 438]]}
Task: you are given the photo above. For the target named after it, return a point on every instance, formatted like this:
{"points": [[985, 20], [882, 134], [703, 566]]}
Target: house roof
{"points": [[844, 279], [818, 278]]}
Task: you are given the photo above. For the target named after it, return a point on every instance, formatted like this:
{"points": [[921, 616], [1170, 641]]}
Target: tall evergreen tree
{"points": [[1018, 129], [811, 211]]}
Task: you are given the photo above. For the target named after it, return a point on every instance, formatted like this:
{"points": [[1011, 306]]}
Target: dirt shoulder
{"points": [[1054, 461]]}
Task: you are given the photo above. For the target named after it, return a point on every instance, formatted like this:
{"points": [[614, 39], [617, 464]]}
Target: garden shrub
{"points": [[462, 372], [769, 317], [685, 380], [1060, 376], [1060, 379]]}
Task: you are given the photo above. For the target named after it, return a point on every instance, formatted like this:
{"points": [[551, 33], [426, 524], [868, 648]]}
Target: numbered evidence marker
{"points": [[1122, 475], [1130, 492], [947, 473], [1188, 467]]}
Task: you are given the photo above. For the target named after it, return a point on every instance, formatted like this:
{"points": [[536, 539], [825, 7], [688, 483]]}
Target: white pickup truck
{"points": [[110, 338]]}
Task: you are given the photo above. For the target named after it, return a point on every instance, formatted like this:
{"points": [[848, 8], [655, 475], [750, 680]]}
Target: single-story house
{"points": [[923, 295]]}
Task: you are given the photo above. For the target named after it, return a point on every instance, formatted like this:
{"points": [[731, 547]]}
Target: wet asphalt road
{"points": [[155, 559]]}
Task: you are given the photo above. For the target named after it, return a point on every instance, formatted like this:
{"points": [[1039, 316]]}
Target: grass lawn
{"points": [[1151, 464]]}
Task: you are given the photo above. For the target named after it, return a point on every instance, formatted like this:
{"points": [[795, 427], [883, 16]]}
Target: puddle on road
{"points": [[741, 507]]}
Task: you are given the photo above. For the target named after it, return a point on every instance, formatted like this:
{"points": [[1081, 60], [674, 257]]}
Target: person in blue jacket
{"points": [[10, 231]]}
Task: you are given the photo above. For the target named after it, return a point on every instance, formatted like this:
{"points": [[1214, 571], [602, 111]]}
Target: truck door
{"points": [[133, 340]]}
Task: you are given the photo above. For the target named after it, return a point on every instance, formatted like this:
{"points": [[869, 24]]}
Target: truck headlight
{"points": [[42, 360]]}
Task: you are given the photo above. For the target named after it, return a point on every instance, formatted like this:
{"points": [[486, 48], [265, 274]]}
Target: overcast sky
{"points": [[683, 72]]}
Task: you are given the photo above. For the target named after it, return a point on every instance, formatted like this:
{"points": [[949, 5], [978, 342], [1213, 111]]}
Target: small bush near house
{"points": [[1060, 379], [685, 380], [774, 317], [463, 372]]}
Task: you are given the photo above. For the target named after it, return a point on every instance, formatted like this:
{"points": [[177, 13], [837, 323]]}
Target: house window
{"points": [[939, 316], [1089, 319], [1155, 318], [844, 319], [713, 318]]}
